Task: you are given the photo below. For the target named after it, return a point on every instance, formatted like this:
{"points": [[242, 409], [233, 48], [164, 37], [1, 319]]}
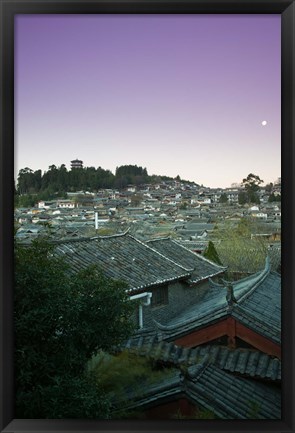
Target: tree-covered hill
{"points": [[58, 180]]}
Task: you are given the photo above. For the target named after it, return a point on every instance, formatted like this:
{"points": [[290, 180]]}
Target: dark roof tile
{"points": [[122, 257], [243, 361], [200, 267], [258, 307], [228, 396], [261, 308]]}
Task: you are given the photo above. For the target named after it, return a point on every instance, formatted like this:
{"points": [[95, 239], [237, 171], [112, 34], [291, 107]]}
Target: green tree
{"points": [[61, 322], [130, 174], [251, 184], [242, 198], [62, 178], [237, 249], [274, 198], [26, 200], [211, 253], [50, 178], [183, 205], [244, 228], [223, 198], [26, 181], [269, 187], [136, 199]]}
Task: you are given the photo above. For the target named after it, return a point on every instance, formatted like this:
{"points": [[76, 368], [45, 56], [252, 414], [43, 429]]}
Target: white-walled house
{"points": [[66, 204], [260, 215], [47, 204]]}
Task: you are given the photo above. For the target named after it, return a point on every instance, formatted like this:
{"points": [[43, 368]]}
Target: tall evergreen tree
{"points": [[211, 253]]}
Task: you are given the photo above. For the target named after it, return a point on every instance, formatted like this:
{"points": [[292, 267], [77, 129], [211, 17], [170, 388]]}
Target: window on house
{"points": [[160, 296]]}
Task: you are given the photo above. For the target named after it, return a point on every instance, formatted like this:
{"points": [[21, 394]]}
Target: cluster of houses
{"points": [[186, 209], [220, 340]]}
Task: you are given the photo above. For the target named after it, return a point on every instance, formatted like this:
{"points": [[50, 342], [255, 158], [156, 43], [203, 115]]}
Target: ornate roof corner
{"points": [[230, 297], [267, 264]]}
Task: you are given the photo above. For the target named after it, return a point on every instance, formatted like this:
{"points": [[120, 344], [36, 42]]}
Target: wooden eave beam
{"points": [[231, 328]]}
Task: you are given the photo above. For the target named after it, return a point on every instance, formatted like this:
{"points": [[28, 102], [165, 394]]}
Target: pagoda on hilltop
{"points": [[76, 163]]}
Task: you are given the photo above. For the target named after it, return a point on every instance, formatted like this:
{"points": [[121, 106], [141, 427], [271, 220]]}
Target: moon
{"points": [[264, 123]]}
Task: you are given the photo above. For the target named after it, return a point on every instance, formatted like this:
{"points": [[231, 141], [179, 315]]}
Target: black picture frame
{"points": [[8, 10]]}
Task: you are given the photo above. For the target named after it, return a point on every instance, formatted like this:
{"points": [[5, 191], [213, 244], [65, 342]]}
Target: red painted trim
{"points": [[258, 341], [204, 335], [231, 328]]}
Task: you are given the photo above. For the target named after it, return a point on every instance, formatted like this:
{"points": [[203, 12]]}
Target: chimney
{"points": [[96, 220]]}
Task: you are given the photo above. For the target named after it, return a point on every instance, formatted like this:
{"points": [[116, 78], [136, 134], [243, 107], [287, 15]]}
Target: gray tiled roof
{"points": [[231, 397], [212, 307], [260, 310], [209, 387], [199, 226], [193, 245], [258, 307], [121, 257], [202, 267], [242, 361]]}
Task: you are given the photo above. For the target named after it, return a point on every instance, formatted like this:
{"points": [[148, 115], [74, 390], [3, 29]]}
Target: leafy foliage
{"points": [[237, 249], [136, 199], [251, 184], [67, 396], [223, 198], [61, 321], [127, 369], [274, 198], [211, 253], [56, 181], [242, 198], [124, 376]]}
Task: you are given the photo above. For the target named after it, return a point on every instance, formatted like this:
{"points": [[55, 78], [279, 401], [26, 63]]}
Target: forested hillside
{"points": [[57, 181]]}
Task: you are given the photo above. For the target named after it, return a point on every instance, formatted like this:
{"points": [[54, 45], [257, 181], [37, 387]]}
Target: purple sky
{"points": [[178, 94]]}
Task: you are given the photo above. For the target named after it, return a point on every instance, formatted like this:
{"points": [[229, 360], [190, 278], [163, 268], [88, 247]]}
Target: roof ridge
{"points": [[214, 284], [159, 239], [86, 238], [116, 235], [194, 372], [220, 268], [188, 321], [162, 255], [200, 256], [260, 278]]}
